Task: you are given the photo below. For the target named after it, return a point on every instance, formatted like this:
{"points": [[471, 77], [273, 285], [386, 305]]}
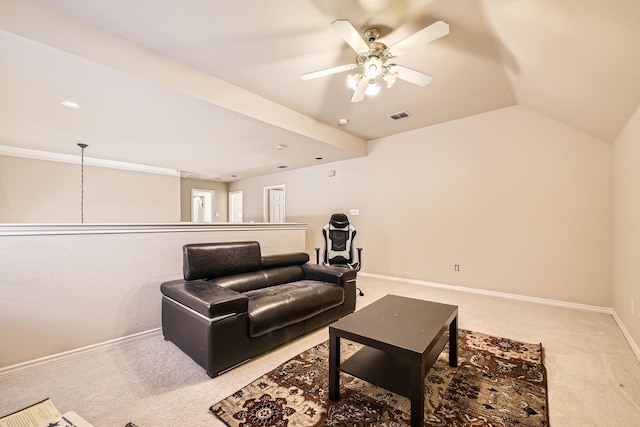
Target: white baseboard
{"points": [[627, 335], [595, 308], [8, 370], [546, 301]]}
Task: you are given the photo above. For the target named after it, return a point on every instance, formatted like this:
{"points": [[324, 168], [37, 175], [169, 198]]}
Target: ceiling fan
{"points": [[372, 57]]}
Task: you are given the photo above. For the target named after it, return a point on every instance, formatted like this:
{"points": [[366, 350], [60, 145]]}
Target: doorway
{"points": [[274, 204], [202, 205], [235, 206]]}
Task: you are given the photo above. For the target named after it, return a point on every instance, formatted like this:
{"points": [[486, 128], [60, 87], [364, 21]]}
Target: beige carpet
{"points": [[593, 376]]}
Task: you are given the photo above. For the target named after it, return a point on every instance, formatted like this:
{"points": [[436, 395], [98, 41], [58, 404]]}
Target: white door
{"points": [[276, 205], [202, 205], [235, 206]]}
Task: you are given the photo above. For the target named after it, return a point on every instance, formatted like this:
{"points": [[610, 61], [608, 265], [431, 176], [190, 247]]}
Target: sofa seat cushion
{"points": [[278, 306]]}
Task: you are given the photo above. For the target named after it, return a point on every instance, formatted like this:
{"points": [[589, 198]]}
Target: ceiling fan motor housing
{"points": [[371, 34]]}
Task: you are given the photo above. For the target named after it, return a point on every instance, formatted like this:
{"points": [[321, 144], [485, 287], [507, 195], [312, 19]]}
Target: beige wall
{"points": [[61, 292], [221, 191], [522, 203], [40, 191], [626, 225]]}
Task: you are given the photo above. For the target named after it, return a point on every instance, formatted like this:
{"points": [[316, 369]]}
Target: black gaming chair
{"points": [[338, 245]]}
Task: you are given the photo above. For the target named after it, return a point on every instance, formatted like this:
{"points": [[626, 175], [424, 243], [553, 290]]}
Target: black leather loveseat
{"points": [[234, 303]]}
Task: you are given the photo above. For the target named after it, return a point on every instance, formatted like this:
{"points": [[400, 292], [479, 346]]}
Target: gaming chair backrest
{"points": [[338, 235]]}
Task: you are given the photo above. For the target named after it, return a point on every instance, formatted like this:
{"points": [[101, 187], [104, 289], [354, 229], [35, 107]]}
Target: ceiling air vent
{"points": [[400, 115]]}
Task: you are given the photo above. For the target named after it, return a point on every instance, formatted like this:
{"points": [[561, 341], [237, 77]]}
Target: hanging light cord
{"points": [[82, 147]]}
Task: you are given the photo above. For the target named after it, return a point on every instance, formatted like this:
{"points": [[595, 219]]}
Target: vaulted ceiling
{"points": [[210, 87]]}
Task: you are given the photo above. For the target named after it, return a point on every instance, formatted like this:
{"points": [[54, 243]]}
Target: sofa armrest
{"points": [[325, 273], [205, 297]]}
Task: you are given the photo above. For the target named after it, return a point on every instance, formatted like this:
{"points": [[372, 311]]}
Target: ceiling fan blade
{"points": [[422, 37], [327, 71], [345, 29], [358, 94], [412, 76]]}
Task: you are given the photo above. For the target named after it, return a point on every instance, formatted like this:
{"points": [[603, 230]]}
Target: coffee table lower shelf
{"points": [[402, 338], [386, 370]]}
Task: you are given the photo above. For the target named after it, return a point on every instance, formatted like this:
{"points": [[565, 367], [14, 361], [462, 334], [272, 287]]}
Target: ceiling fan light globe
{"points": [[373, 67], [353, 79], [390, 78], [372, 89]]}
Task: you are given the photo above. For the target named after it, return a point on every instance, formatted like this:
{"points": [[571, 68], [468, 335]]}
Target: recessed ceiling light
{"points": [[280, 147], [70, 104], [343, 122], [282, 167]]}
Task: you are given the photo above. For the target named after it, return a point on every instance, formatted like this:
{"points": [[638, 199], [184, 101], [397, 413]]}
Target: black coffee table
{"points": [[402, 339]]}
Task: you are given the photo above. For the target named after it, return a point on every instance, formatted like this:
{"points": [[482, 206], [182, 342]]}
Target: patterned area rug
{"points": [[499, 382]]}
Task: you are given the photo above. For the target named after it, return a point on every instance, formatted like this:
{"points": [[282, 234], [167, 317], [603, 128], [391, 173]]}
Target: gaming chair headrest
{"points": [[339, 220]]}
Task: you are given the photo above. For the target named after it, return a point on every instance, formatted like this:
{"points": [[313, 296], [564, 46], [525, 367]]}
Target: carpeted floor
{"points": [[498, 382], [593, 375]]}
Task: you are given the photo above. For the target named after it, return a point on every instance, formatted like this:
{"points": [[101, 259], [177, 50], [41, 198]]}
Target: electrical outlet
{"points": [[456, 267]]}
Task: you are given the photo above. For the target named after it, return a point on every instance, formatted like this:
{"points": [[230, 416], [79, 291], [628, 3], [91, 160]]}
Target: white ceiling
{"points": [[210, 87]]}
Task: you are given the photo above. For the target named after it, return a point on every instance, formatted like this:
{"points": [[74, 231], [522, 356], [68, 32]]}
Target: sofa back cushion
{"points": [[282, 260], [210, 260], [242, 282], [260, 279], [281, 275]]}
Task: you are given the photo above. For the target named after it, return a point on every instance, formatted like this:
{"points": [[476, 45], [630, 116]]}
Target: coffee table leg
{"points": [[334, 368], [453, 342], [417, 394]]}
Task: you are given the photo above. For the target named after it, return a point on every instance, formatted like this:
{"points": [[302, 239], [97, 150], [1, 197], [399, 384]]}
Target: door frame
{"points": [[209, 204], [231, 212], [265, 200]]}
